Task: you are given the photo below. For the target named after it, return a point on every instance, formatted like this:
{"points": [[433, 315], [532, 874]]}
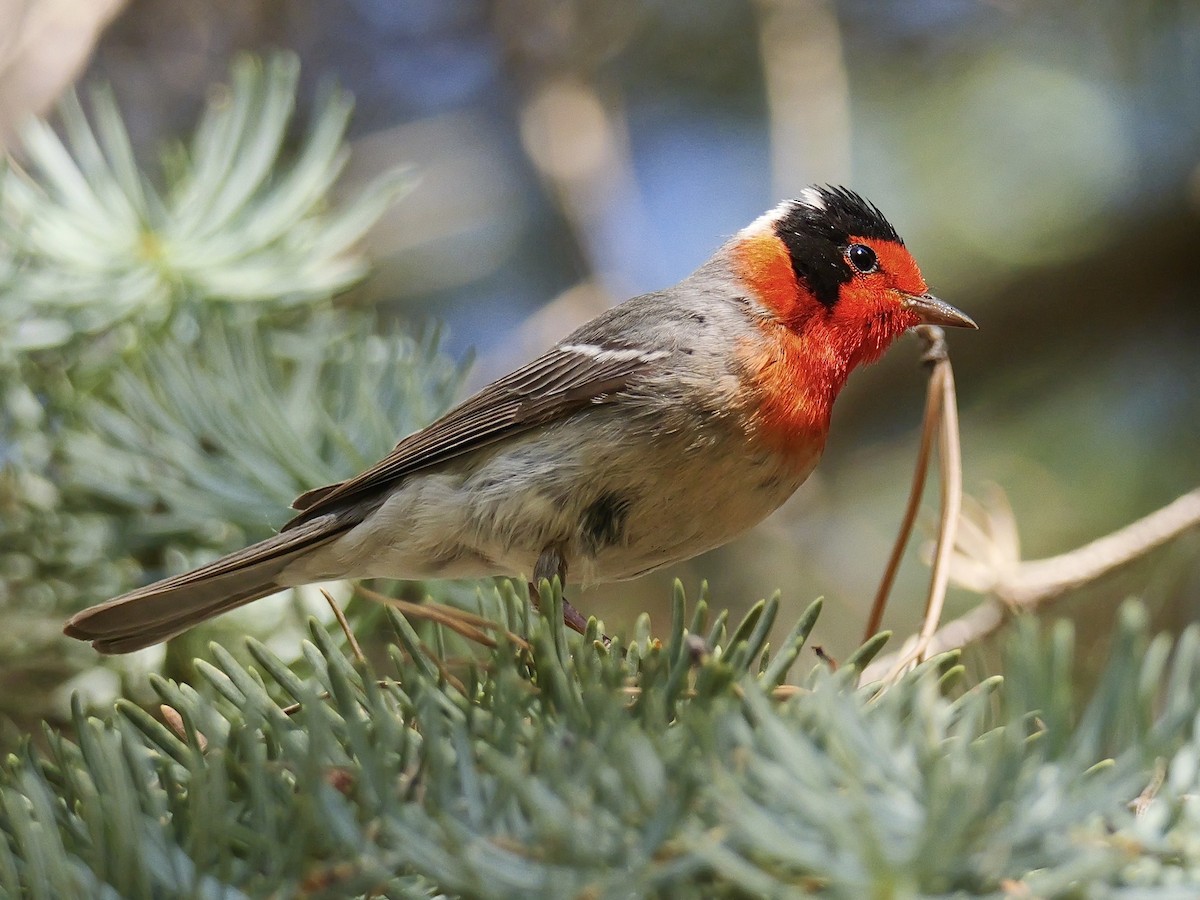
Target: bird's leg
{"points": [[549, 564]]}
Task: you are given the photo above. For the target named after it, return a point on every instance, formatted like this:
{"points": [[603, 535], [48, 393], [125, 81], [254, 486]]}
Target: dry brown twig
{"points": [[941, 416], [1001, 573], [341, 620], [933, 403], [469, 625], [459, 621], [980, 549], [950, 457], [988, 561]]}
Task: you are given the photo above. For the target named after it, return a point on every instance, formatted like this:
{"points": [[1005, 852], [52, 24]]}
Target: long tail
{"points": [[166, 608]]}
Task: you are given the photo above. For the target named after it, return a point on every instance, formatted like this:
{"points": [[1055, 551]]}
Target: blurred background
{"points": [[1041, 160]]}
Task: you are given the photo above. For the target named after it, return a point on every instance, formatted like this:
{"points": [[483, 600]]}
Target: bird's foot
{"points": [[550, 565]]}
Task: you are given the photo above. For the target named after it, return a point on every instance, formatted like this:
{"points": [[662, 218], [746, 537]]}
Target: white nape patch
{"points": [[812, 198], [601, 354], [766, 222]]}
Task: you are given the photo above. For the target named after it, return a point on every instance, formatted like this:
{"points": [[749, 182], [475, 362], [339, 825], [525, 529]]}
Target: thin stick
{"points": [[951, 459], [1039, 580], [341, 618], [459, 621], [1045, 580], [933, 400], [444, 669]]}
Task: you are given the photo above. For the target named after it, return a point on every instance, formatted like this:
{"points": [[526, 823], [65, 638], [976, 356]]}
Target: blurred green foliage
{"points": [[93, 243], [648, 769], [173, 371]]}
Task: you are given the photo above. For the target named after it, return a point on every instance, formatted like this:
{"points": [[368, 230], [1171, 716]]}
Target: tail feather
{"points": [[147, 636], [166, 608]]}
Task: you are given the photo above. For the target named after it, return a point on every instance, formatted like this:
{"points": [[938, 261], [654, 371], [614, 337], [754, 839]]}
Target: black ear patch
{"points": [[816, 234]]}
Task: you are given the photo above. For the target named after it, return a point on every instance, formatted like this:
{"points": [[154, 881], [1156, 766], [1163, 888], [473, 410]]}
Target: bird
{"points": [[664, 427]]}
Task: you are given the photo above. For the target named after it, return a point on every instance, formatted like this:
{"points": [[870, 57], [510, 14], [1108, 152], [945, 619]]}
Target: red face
{"points": [[870, 309], [874, 305], [837, 286]]}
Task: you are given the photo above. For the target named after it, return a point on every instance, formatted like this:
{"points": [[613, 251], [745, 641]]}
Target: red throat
{"points": [[809, 349], [793, 382]]}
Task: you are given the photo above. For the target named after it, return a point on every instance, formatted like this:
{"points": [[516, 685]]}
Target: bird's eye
{"points": [[862, 258]]}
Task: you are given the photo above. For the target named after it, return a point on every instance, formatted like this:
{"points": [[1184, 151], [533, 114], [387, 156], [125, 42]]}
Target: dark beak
{"points": [[933, 311]]}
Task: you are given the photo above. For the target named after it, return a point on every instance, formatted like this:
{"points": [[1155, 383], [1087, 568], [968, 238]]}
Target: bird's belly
{"points": [[615, 507], [703, 505]]}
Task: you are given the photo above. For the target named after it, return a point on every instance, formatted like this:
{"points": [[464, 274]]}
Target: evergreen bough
{"points": [[676, 769], [172, 372]]}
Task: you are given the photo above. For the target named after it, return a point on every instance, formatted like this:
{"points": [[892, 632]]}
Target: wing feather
{"points": [[551, 387]]}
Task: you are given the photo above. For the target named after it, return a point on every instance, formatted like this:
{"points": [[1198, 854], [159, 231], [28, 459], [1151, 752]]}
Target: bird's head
{"points": [[828, 265], [832, 285]]}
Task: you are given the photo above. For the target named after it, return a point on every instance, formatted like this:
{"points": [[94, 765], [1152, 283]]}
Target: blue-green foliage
{"points": [[172, 373], [567, 769], [90, 241]]}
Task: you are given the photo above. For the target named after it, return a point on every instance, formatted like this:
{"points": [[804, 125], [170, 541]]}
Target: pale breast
{"points": [[702, 498], [627, 496]]}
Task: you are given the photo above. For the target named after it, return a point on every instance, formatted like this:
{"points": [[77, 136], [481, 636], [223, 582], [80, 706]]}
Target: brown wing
{"points": [[551, 387]]}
